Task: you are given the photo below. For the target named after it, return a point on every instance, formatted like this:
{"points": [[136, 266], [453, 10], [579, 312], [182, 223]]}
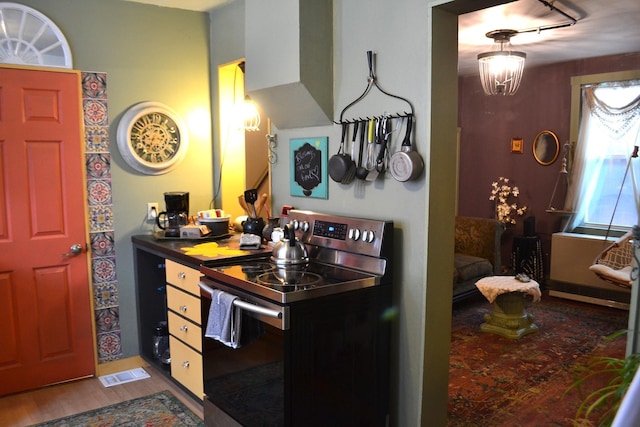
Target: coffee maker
{"points": [[176, 214]]}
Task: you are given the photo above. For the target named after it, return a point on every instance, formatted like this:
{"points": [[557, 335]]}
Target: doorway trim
{"points": [[443, 40]]}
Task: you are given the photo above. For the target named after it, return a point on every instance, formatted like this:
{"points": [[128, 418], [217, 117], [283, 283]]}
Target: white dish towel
{"points": [[224, 319]]}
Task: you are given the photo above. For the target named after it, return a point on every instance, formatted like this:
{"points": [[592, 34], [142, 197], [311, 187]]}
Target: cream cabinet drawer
{"points": [[186, 366], [186, 331], [185, 278], [185, 304]]}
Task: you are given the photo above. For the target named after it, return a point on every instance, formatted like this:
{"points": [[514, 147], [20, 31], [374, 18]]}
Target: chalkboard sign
{"points": [[309, 167]]}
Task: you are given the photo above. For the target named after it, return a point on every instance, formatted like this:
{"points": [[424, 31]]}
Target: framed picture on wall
{"points": [[517, 145], [309, 160]]}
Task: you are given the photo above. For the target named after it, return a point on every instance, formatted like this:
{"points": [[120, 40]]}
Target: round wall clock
{"points": [[152, 138]]}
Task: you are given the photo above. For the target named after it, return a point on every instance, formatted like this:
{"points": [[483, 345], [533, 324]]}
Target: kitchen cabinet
{"points": [[185, 332], [167, 290]]}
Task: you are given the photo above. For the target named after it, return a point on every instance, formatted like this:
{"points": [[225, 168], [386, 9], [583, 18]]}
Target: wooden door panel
{"points": [[3, 190], [45, 208], [42, 212], [52, 312], [8, 322], [40, 106]]}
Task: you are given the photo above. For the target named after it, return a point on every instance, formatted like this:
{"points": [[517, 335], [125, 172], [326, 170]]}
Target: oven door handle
{"points": [[246, 305]]}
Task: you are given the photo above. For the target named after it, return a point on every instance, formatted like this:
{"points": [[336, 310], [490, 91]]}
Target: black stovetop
{"points": [[294, 283]]}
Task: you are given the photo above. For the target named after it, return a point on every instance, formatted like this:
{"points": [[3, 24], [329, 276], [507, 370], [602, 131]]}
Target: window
{"points": [[608, 128]]}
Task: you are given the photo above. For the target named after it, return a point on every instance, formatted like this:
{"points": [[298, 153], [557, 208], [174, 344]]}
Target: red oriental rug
{"points": [[494, 381]]}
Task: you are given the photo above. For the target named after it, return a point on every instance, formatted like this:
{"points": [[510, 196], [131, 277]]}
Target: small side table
{"points": [[509, 318]]}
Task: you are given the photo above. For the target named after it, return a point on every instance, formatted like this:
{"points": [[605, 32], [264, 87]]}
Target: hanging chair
{"points": [[615, 263]]}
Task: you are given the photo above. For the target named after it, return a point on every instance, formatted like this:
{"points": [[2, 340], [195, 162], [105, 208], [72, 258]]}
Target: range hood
{"points": [[289, 60]]}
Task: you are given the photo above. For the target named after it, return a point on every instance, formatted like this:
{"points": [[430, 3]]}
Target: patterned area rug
{"points": [[157, 410], [494, 381]]}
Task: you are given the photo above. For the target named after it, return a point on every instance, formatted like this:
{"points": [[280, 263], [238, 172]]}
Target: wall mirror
{"points": [[546, 147]]}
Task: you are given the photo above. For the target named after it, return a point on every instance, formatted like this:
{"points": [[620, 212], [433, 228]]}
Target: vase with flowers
{"points": [[504, 195]]}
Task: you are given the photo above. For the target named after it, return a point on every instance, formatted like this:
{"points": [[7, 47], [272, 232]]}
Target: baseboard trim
{"points": [[590, 300], [120, 365]]}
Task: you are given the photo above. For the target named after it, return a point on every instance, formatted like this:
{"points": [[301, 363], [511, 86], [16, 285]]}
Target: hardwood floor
{"points": [[48, 403]]}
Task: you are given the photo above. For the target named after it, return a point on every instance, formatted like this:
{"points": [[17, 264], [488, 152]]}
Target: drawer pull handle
{"points": [[185, 364], [182, 275], [183, 308], [184, 328]]}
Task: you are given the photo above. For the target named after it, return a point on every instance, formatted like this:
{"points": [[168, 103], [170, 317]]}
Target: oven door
{"points": [[246, 385]]}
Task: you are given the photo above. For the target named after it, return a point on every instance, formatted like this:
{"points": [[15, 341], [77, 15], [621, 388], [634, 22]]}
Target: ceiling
{"points": [[603, 27]]}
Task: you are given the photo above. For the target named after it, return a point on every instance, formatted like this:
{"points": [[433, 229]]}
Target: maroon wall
{"points": [[488, 123]]}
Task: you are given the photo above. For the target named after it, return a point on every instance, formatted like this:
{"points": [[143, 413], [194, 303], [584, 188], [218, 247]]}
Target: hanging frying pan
{"points": [[342, 169], [406, 164]]}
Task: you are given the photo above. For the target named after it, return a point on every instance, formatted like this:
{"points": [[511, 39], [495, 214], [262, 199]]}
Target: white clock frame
{"points": [[123, 136]]}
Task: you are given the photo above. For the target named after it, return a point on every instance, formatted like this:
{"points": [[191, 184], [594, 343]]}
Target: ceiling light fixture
{"points": [[501, 69]]}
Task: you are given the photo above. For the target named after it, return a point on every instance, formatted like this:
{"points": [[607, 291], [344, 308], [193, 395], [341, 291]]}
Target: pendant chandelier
{"points": [[501, 69]]}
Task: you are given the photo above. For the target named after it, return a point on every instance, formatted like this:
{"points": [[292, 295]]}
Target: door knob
{"points": [[74, 250]]}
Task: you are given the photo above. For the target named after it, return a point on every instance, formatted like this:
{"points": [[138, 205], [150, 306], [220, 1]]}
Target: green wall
{"points": [[399, 32], [152, 53], [149, 54]]}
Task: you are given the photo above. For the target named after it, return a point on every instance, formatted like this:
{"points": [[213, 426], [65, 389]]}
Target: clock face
{"points": [[151, 138], [155, 137]]}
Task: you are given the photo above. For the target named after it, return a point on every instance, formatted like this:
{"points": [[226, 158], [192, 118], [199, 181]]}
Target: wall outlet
{"points": [[152, 211]]}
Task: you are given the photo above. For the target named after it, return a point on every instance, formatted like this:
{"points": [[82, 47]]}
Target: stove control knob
{"points": [[304, 226], [295, 224], [354, 234], [368, 236]]}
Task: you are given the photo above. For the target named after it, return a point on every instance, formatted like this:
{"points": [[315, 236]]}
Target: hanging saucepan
{"points": [[342, 169], [406, 164]]}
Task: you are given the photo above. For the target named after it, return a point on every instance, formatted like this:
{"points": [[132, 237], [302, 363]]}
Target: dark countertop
{"points": [[174, 249]]}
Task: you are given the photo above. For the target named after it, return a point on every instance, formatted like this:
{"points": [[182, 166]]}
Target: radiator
{"points": [[571, 256]]}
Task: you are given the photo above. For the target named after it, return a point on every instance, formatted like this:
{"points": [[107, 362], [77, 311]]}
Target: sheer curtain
{"points": [[605, 130]]}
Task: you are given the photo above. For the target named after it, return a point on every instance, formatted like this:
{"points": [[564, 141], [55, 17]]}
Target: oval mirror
{"points": [[546, 147]]}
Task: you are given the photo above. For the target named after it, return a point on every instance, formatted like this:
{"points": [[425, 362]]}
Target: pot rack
{"points": [[371, 83]]}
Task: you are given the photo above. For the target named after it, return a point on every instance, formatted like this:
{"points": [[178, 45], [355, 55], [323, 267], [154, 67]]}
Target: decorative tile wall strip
{"points": [[100, 207]]}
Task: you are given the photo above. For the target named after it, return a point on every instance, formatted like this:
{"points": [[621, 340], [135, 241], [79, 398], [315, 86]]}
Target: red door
{"points": [[46, 331]]}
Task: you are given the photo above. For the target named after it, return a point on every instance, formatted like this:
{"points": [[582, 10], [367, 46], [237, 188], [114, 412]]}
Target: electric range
{"points": [[324, 328]]}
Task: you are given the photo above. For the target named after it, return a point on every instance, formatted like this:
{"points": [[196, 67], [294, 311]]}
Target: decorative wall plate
{"points": [[27, 37], [152, 138]]}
